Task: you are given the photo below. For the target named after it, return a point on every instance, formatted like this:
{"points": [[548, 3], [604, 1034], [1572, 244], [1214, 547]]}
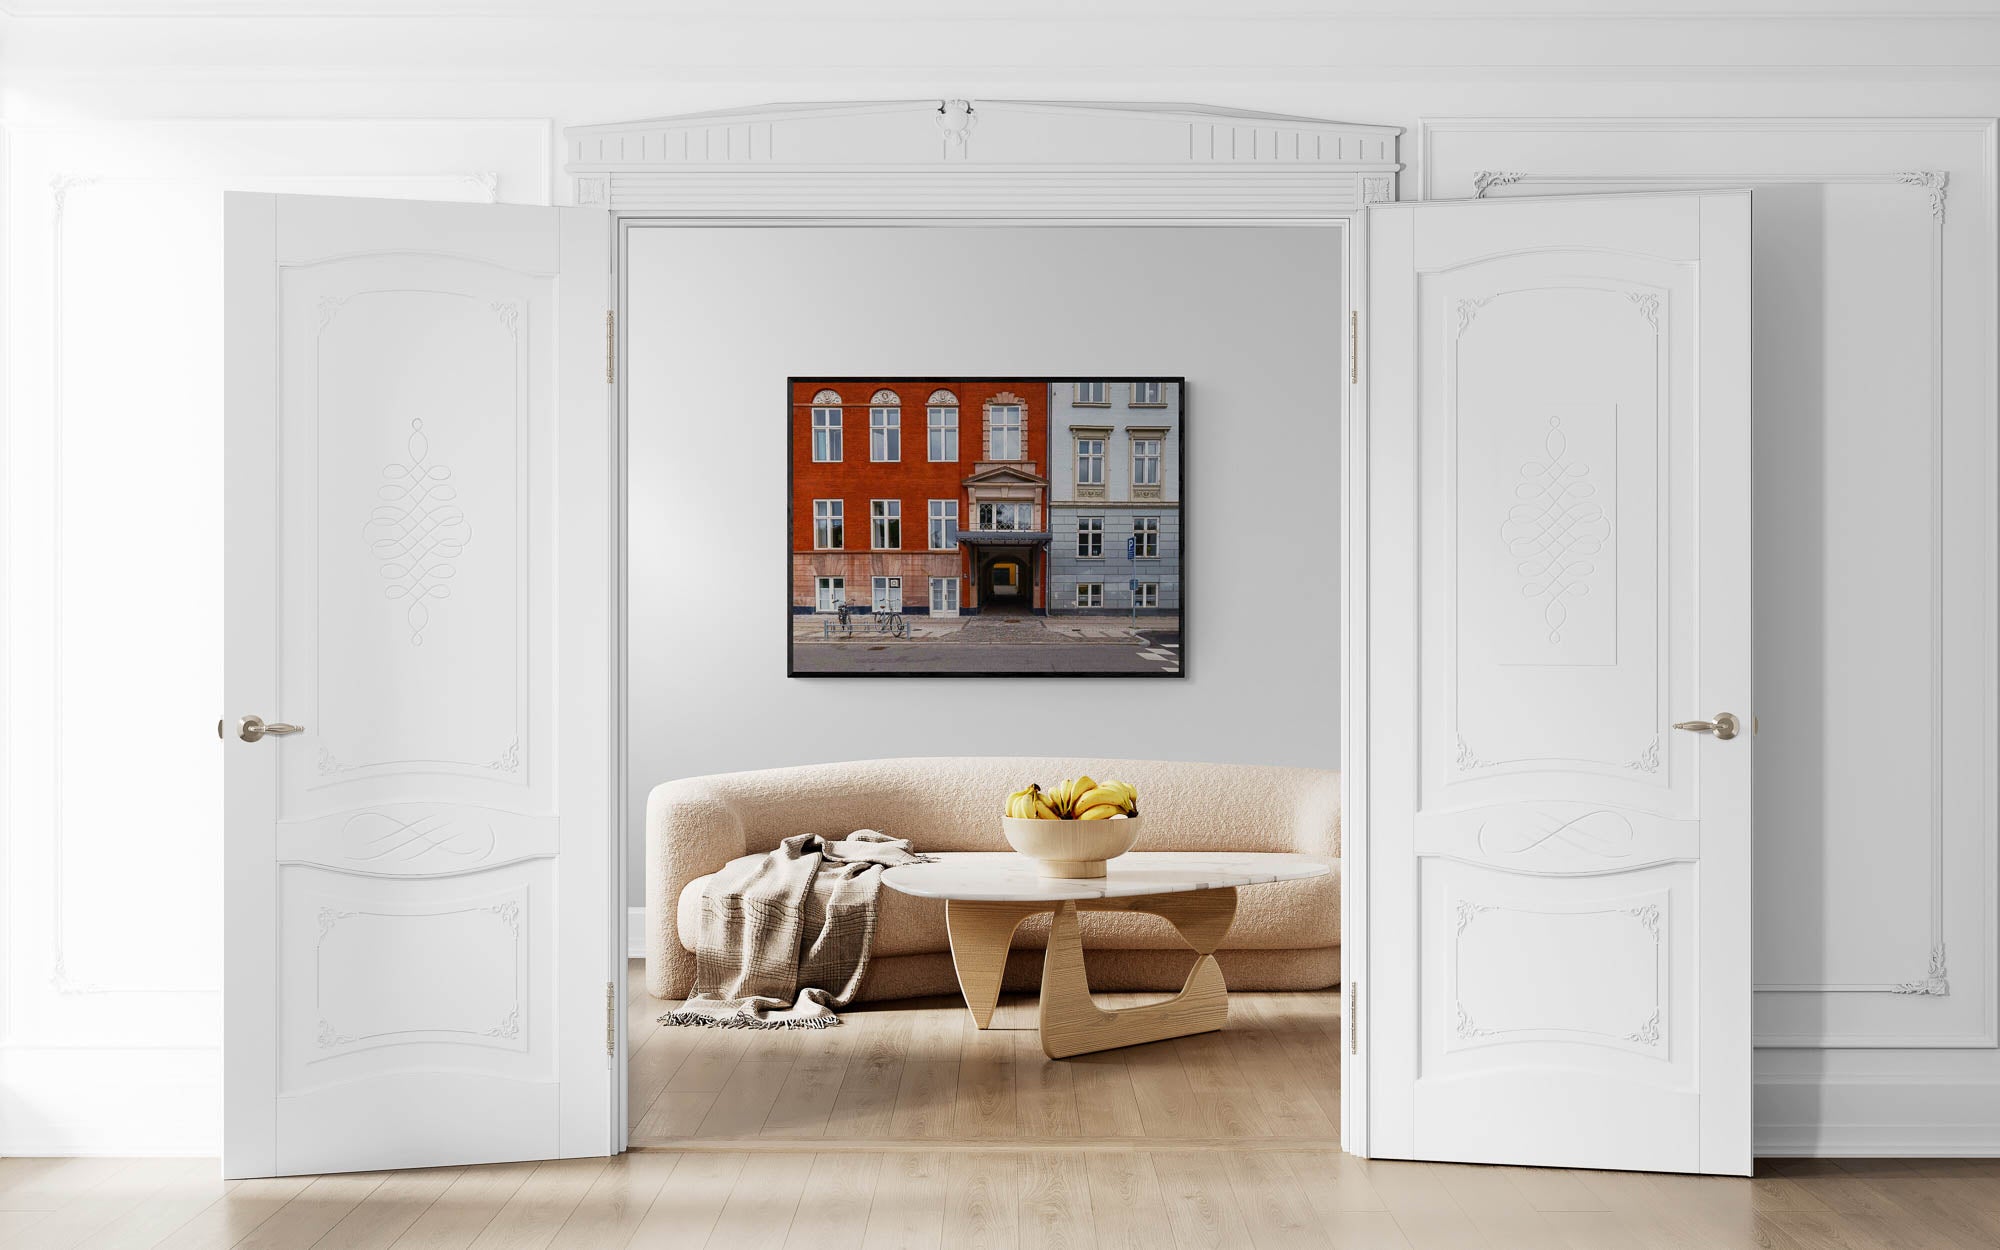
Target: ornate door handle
{"points": [[252, 728], [1725, 726]]}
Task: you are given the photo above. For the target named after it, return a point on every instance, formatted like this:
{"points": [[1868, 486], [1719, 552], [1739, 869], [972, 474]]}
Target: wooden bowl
{"points": [[1071, 848]]}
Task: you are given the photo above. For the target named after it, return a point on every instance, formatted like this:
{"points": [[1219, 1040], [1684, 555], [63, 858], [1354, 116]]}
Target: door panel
{"points": [[420, 895], [1572, 574]]}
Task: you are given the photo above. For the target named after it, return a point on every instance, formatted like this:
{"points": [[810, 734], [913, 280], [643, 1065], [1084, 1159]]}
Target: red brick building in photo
{"points": [[924, 497]]}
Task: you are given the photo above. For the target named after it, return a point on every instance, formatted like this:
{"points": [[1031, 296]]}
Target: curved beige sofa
{"points": [[1286, 935]]}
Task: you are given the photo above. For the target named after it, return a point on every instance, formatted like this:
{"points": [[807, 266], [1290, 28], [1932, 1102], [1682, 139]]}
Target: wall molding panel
{"points": [[1814, 992]]}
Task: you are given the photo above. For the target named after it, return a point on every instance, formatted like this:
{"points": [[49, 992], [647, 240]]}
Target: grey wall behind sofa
{"points": [[718, 319]]}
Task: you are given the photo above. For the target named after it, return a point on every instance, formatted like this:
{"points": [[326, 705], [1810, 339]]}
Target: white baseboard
{"points": [[91, 1100], [635, 933], [1901, 1115]]}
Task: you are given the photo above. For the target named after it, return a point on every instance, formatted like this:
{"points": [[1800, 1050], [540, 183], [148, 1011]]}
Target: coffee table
{"points": [[988, 894]]}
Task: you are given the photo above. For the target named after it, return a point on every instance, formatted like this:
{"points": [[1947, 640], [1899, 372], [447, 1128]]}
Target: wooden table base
{"points": [[1072, 1024]]}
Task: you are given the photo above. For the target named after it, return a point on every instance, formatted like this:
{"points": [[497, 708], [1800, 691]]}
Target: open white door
{"points": [[419, 911], [1557, 962]]}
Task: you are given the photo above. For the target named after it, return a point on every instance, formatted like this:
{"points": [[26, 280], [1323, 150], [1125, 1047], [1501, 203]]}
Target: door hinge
{"points": [[610, 346], [1354, 1018], [611, 1019], [1353, 346]]}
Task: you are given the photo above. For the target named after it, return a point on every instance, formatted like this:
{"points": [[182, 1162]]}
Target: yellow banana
{"points": [[1042, 809], [1101, 794], [1103, 811]]}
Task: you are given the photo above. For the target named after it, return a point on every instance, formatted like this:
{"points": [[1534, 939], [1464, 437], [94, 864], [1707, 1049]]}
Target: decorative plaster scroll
{"points": [[1649, 759], [1934, 984], [1468, 309], [1378, 188], [1467, 759], [1484, 180], [1648, 305], [1933, 180], [956, 119]]}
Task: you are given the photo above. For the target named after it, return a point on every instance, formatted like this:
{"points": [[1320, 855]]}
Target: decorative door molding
{"points": [[1016, 159]]}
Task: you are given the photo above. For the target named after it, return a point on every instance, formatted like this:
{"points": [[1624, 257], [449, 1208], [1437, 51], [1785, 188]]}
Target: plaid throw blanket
{"points": [[784, 939]]}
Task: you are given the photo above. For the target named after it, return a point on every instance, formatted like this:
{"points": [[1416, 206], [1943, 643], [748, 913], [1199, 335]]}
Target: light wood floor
{"points": [[907, 1128]]}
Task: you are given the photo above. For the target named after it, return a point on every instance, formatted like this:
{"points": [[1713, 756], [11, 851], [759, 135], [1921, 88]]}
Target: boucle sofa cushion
{"points": [[696, 825], [1278, 915]]}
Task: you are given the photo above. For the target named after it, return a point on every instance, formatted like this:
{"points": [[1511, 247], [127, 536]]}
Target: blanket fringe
{"points": [[738, 1021]]}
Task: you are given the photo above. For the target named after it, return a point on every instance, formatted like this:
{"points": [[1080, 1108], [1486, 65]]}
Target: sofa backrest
{"points": [[954, 804]]}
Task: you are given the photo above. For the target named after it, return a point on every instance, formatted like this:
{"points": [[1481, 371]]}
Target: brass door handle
{"points": [[1725, 726], [251, 728]]}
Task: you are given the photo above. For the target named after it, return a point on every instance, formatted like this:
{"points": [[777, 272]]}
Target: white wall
{"points": [[717, 320], [308, 94]]}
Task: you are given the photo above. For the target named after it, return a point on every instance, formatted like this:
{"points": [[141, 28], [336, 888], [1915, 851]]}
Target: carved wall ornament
{"points": [[509, 313], [329, 763], [956, 119], [509, 760], [885, 399], [329, 308], [826, 399], [1555, 530], [1484, 180], [508, 1027], [1468, 309], [417, 532], [1467, 1027], [1378, 188], [942, 399], [1649, 759], [59, 188], [1647, 1034], [1647, 914], [1466, 759], [1934, 983], [1648, 305], [330, 1037], [509, 913], [1936, 181]]}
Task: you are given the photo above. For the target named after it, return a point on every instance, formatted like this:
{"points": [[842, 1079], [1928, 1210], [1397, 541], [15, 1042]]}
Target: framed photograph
{"points": [[987, 527]]}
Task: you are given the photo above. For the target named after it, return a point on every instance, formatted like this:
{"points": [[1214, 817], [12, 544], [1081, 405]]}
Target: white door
{"points": [[1557, 951], [832, 593], [418, 912]]}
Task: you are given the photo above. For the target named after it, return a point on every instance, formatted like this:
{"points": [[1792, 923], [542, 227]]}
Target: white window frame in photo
{"points": [[1144, 528], [1099, 458], [941, 433], [946, 515], [885, 429], [1156, 398], [826, 433], [828, 513], [1147, 595], [1158, 459], [1093, 526], [1097, 396], [1095, 599], [885, 586], [1018, 429], [883, 513]]}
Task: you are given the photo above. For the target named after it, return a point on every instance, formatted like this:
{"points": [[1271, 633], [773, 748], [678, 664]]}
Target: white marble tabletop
{"points": [[1003, 876]]}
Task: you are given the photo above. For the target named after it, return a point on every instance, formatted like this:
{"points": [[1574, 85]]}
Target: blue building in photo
{"points": [[1115, 498]]}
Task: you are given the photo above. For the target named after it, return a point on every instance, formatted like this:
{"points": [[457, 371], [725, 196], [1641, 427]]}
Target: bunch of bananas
{"points": [[1078, 798]]}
